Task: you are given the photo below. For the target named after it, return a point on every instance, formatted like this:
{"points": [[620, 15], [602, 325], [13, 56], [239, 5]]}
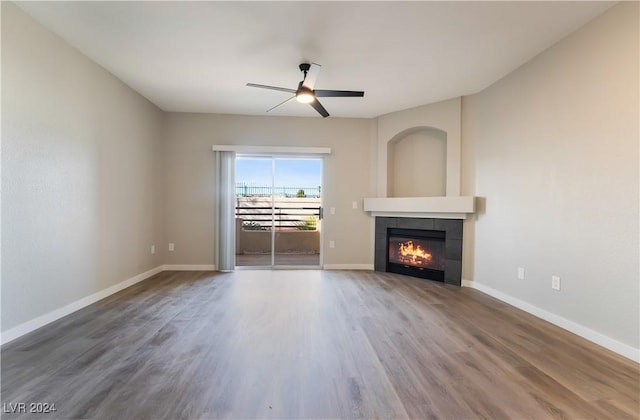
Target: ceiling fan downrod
{"points": [[304, 67]]}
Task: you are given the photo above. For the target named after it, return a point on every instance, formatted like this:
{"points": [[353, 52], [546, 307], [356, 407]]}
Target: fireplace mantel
{"points": [[433, 207]]}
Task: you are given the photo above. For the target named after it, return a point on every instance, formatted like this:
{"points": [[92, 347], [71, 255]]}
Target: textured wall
{"points": [[556, 159], [80, 192]]}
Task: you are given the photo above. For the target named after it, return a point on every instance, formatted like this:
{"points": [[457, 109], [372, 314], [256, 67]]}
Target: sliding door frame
{"points": [[283, 153]]}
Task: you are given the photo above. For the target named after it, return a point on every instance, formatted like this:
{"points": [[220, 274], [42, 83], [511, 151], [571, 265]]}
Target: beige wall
{"points": [[418, 165], [80, 192], [467, 188], [556, 158], [190, 189]]}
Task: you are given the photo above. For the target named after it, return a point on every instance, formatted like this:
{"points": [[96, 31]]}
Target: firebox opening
{"points": [[418, 253]]}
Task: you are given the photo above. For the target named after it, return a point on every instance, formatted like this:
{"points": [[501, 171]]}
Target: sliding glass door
{"points": [[278, 208], [254, 212]]}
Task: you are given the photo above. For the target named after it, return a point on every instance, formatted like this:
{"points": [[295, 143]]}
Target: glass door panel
{"points": [[254, 212], [296, 202]]}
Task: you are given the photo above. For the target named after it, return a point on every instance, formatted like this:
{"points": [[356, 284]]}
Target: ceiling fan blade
{"points": [[322, 93], [312, 75], [272, 87], [281, 103], [318, 107]]}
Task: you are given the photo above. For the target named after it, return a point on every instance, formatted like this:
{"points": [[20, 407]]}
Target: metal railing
{"points": [[244, 189], [262, 218]]}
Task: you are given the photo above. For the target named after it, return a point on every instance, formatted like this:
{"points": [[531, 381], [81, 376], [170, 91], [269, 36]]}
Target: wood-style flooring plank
{"points": [[311, 344]]}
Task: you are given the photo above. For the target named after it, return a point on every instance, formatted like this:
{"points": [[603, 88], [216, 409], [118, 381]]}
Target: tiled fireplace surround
{"points": [[453, 242]]}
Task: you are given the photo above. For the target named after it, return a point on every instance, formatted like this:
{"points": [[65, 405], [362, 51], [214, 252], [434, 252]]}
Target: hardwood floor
{"points": [[311, 344]]}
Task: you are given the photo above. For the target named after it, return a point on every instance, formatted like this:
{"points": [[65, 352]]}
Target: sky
{"points": [[302, 173]]}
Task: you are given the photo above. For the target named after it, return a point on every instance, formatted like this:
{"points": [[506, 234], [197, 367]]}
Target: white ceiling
{"points": [[198, 56]]}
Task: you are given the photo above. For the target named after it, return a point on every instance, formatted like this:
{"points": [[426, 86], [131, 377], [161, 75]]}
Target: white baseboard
{"points": [[26, 327], [188, 267], [348, 267], [607, 342]]}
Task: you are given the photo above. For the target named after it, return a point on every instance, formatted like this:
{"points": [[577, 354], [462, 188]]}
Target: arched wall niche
{"points": [[444, 117], [417, 163]]}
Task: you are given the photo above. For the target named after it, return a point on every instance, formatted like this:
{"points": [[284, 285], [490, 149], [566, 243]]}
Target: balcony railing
{"points": [[244, 189], [282, 218]]}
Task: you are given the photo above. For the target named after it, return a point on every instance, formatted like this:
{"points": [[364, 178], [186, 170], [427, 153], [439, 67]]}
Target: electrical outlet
{"points": [[332, 210], [354, 204], [332, 244], [153, 249], [171, 247], [555, 282], [520, 273]]}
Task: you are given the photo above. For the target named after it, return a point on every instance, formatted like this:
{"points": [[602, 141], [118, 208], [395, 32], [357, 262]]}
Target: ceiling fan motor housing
{"points": [[304, 67]]}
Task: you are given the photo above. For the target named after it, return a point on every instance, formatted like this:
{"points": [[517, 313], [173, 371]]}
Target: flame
{"points": [[413, 254]]}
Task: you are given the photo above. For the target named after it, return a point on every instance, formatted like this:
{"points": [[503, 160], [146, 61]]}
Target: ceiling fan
{"points": [[306, 94]]}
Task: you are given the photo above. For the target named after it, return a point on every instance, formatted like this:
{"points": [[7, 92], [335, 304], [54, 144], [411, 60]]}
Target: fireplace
{"points": [[420, 247], [418, 253]]}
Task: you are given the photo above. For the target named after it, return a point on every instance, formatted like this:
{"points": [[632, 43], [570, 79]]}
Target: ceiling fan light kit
{"points": [[305, 96], [305, 93]]}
